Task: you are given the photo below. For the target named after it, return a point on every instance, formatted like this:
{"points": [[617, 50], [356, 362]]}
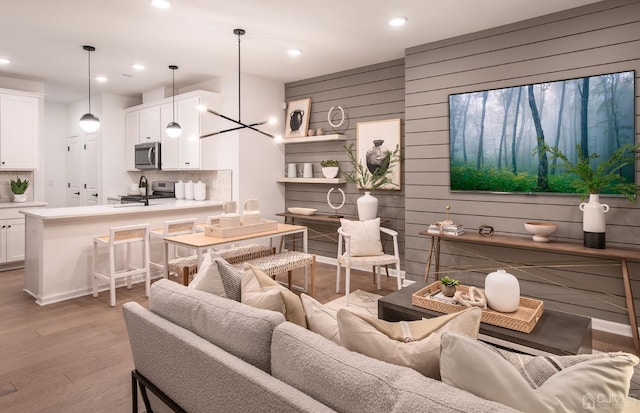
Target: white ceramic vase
{"points": [[367, 207], [594, 223], [330, 171], [502, 291], [19, 197]]}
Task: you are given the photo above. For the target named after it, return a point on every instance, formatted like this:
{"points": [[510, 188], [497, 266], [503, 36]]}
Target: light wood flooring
{"points": [[74, 356]]}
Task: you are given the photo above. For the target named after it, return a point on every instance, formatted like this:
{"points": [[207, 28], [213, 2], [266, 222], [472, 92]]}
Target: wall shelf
{"points": [[312, 180], [321, 138]]}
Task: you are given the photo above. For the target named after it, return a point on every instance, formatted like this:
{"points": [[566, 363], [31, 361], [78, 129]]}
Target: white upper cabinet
{"points": [[150, 125], [19, 131], [184, 152]]}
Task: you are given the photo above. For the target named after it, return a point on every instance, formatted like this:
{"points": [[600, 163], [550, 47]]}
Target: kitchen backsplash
{"points": [[218, 182], [5, 184]]}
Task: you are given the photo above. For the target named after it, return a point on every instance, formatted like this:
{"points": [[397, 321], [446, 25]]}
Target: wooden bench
{"points": [[188, 266], [286, 262]]}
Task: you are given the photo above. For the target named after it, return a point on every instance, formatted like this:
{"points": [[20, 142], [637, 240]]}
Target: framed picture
{"points": [[376, 142], [297, 120]]}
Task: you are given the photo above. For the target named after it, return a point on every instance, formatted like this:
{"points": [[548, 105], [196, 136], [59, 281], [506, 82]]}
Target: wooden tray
{"points": [[214, 230], [524, 319]]}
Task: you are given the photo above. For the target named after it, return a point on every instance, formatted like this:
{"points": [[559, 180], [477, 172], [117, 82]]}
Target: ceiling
{"points": [[44, 38]]}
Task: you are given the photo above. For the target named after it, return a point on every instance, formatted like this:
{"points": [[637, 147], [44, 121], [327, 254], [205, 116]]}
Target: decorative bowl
{"points": [[541, 230], [302, 211]]}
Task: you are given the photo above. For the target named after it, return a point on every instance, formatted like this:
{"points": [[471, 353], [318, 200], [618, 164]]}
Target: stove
{"points": [[159, 189]]}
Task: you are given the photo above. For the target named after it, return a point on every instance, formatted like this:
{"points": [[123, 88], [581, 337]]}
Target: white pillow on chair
{"points": [[365, 237], [208, 278]]}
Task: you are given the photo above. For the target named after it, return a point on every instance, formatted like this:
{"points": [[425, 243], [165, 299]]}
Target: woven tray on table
{"points": [[524, 319]]}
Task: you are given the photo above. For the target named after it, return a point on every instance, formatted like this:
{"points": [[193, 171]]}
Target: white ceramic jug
{"points": [[291, 170], [307, 171], [179, 190], [188, 190], [199, 191]]}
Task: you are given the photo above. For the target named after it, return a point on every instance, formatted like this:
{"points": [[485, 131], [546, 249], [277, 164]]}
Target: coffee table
{"points": [[555, 333]]}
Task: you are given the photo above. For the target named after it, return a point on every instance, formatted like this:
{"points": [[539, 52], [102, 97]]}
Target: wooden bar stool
{"points": [[124, 235]]}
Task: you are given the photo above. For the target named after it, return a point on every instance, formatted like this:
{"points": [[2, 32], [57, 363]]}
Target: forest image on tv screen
{"points": [[494, 135]]}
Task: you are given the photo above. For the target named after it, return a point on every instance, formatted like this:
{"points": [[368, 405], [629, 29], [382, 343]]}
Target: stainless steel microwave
{"points": [[147, 156]]}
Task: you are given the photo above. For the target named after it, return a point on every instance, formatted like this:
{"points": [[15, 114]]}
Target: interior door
{"points": [[74, 171], [91, 162]]}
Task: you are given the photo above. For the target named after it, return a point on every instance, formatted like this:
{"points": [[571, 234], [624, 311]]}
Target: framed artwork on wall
{"points": [[297, 120], [376, 141]]}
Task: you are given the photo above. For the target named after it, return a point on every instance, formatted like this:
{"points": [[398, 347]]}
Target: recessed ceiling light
{"points": [[137, 66], [398, 21], [294, 52], [101, 79], [4, 61], [161, 4]]}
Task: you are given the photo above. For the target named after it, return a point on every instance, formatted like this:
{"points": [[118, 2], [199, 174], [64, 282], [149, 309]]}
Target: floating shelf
{"points": [[312, 180], [321, 138]]}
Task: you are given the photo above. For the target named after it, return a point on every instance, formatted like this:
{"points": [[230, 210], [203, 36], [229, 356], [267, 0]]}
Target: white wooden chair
{"points": [[346, 260], [126, 236]]}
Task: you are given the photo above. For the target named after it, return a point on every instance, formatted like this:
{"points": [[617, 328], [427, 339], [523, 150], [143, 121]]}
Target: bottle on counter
{"points": [[188, 190], [179, 189]]}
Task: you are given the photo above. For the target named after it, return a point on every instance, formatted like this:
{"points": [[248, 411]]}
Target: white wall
{"points": [[260, 160], [54, 153]]}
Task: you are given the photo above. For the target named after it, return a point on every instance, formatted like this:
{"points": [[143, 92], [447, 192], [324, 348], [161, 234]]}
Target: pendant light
{"points": [[89, 122], [252, 126], [173, 128]]}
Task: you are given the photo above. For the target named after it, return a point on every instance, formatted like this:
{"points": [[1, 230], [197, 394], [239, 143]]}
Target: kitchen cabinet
{"points": [[182, 153], [150, 126], [12, 240], [19, 131]]}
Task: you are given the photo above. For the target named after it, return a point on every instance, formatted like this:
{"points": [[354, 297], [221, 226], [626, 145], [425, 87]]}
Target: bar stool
{"points": [[124, 235], [174, 227]]}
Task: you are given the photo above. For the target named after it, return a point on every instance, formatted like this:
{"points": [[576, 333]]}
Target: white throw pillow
{"points": [[320, 319], [365, 236], [414, 344], [254, 294], [584, 383], [208, 278]]}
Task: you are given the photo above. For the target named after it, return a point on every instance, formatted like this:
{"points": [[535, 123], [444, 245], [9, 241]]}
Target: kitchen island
{"points": [[59, 241]]}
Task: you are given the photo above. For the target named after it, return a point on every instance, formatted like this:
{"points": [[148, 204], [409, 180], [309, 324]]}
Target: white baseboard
{"points": [[611, 327]]}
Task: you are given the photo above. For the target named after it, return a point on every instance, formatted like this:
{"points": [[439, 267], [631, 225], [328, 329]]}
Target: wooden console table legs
{"points": [[434, 253], [631, 308]]}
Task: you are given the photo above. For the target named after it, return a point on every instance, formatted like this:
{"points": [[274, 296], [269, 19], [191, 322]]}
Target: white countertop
{"points": [[155, 205], [21, 204]]}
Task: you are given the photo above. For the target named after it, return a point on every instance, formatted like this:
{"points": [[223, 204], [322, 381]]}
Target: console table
{"points": [[555, 333], [622, 255]]}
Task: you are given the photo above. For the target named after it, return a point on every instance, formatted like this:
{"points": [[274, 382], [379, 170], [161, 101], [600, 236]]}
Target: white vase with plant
{"points": [[368, 180], [590, 181], [19, 187], [330, 168]]}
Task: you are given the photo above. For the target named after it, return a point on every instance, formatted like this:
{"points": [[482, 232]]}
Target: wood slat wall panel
{"points": [[372, 93], [600, 38]]}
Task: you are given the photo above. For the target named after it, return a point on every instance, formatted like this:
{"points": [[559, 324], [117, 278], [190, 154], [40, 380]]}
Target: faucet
{"points": [[144, 185]]}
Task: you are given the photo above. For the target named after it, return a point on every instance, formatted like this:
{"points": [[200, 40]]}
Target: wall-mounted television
{"points": [[494, 134]]}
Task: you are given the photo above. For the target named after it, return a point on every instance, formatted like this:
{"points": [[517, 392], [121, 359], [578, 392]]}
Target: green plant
{"points": [[19, 186], [605, 176], [363, 178], [329, 163], [449, 282]]}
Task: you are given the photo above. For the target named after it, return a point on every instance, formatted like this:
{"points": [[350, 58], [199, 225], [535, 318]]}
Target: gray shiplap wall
{"points": [[371, 93], [599, 38]]}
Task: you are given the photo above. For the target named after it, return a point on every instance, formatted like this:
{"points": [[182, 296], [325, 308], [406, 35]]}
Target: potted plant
{"points": [[369, 180], [19, 187], [591, 181], [448, 286], [330, 168]]}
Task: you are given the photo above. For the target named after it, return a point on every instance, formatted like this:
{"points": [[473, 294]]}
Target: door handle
{"points": [[76, 193], [94, 195]]}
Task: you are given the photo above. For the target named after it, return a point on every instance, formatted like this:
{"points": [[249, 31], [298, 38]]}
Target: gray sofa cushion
{"points": [[239, 329], [200, 376], [351, 382]]}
